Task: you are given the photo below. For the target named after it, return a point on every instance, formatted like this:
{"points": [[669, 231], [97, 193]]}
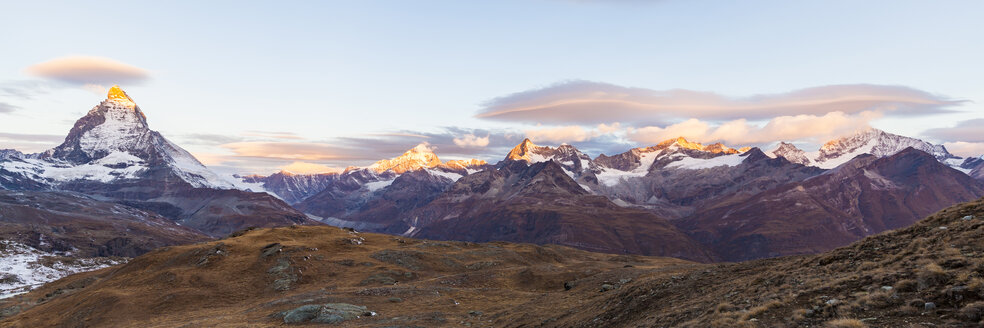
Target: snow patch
{"points": [[376, 185], [22, 267], [691, 163]]}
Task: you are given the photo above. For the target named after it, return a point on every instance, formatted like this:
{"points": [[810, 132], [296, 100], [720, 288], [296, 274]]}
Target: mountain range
{"points": [[677, 198]]}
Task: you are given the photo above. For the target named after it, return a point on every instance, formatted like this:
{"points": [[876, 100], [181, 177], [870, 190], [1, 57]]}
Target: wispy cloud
{"points": [[29, 143], [586, 102], [290, 150], [966, 131], [740, 132], [89, 71], [273, 135], [7, 108], [309, 168]]}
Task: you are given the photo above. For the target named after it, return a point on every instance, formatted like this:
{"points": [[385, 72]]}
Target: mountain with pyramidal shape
{"points": [[112, 153]]}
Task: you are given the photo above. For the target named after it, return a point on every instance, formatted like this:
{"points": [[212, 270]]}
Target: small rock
{"points": [[606, 287], [832, 301], [325, 313], [886, 288], [624, 281], [475, 313], [569, 285], [968, 218], [943, 228], [929, 306], [395, 300]]}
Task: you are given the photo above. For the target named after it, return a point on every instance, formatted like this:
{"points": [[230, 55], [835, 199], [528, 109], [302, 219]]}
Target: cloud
{"points": [[471, 141], [966, 131], [965, 149], [207, 139], [273, 135], [89, 71], [7, 108], [570, 133], [586, 102], [25, 89], [309, 168], [741, 132], [308, 151], [29, 143]]}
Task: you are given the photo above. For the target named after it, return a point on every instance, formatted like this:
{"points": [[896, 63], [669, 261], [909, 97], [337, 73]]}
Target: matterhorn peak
{"points": [[117, 95]]}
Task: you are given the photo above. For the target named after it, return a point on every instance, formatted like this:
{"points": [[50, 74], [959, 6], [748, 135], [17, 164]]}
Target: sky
{"points": [[255, 87]]}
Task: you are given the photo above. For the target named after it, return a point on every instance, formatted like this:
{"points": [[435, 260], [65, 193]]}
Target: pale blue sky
{"points": [[324, 70]]}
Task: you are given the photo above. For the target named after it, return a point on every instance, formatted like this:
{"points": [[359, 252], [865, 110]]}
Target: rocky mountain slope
{"points": [[864, 196], [542, 204], [111, 153], [47, 235], [926, 275]]}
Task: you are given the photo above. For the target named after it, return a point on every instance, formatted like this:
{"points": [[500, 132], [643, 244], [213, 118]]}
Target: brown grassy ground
{"points": [[882, 281]]}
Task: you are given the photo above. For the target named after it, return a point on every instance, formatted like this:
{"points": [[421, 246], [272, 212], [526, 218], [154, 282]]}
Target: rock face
{"points": [[540, 203], [112, 153], [293, 188], [864, 196], [974, 167], [568, 157], [677, 192], [791, 153]]}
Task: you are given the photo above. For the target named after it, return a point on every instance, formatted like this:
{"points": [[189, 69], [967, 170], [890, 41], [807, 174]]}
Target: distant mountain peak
{"points": [[420, 156], [791, 153], [715, 148], [876, 142], [523, 151]]}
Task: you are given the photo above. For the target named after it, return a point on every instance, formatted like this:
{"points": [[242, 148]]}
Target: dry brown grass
{"points": [[931, 275], [845, 323], [759, 310], [972, 312]]}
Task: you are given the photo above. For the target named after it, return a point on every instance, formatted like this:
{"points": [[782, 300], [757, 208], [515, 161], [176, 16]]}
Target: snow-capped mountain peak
{"points": [[114, 142], [791, 153], [525, 151], [681, 142], [875, 142], [419, 157]]}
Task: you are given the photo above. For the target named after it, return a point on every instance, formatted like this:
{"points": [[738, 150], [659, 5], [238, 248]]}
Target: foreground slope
{"points": [[249, 279], [926, 275]]}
